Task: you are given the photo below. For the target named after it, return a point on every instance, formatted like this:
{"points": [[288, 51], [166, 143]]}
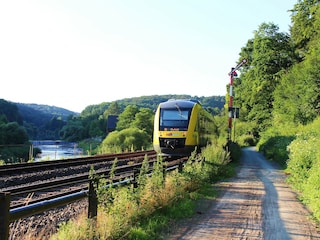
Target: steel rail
{"points": [[123, 177], [69, 180], [23, 167]]}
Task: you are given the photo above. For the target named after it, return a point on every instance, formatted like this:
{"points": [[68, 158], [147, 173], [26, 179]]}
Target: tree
{"points": [[297, 98], [127, 117], [73, 131], [12, 133], [271, 54], [144, 121], [133, 131], [113, 109], [305, 25], [10, 110]]}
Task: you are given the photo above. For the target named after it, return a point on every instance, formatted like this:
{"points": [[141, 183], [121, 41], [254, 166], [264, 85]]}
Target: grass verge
{"points": [[147, 212]]}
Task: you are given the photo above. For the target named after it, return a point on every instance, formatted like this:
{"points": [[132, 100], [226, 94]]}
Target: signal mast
{"points": [[232, 74]]}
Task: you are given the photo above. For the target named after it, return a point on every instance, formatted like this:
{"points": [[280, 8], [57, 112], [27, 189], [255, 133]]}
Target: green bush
{"points": [[129, 139], [274, 142], [304, 165], [311, 190]]}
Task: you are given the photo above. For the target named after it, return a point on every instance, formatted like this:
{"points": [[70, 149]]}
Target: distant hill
{"points": [[46, 122], [40, 114], [153, 101], [43, 121]]}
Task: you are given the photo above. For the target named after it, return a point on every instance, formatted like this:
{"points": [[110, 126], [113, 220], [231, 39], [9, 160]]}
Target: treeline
{"points": [[43, 122], [14, 141], [92, 122], [212, 103], [279, 95], [280, 85], [20, 123]]}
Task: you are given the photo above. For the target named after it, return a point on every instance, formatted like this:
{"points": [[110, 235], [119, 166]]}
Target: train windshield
{"points": [[174, 119]]}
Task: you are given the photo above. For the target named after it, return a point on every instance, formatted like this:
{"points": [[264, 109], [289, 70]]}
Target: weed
{"points": [[143, 213]]}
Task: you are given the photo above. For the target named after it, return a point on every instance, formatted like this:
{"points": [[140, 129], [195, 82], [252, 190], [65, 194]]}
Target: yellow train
{"points": [[180, 126]]}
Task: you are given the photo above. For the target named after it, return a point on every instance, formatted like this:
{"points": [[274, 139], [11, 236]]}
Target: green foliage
{"points": [[133, 132], [304, 165], [49, 122], [144, 121], [311, 190], [144, 170], [304, 16], [73, 131], [270, 52], [297, 97], [113, 109], [234, 151], [90, 145], [72, 230], [12, 133], [125, 140], [242, 133], [14, 143], [133, 117], [143, 213], [15, 154], [9, 112], [14, 140], [279, 95], [303, 153], [275, 140], [127, 117], [150, 102], [42, 121]]}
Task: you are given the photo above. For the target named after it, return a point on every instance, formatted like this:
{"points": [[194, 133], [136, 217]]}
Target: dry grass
{"points": [[123, 209], [128, 207]]}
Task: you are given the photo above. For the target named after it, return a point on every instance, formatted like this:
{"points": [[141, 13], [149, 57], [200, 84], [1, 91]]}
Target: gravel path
{"points": [[256, 204]]}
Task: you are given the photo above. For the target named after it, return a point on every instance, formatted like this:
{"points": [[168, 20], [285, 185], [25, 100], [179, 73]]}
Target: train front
{"points": [[174, 128]]}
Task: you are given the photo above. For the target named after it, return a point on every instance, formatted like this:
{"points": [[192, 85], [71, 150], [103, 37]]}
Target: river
{"points": [[57, 149]]}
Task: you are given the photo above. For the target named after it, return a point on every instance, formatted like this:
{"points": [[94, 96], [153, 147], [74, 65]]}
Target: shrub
{"points": [[274, 142], [304, 165], [127, 139]]}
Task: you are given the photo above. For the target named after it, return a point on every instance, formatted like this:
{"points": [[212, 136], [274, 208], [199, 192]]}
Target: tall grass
{"points": [[143, 212]]}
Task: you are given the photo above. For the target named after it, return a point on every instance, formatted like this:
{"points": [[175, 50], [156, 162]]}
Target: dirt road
{"points": [[256, 204]]}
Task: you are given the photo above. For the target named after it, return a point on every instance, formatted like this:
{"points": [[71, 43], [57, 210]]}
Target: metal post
{"points": [[93, 200], [232, 73], [4, 215], [180, 168], [234, 125], [135, 178]]}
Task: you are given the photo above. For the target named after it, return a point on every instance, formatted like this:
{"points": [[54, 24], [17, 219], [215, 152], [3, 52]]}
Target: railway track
{"points": [[20, 174], [23, 179], [37, 183], [39, 166]]}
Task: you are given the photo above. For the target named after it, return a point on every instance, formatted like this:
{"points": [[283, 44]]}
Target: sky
{"points": [[76, 53]]}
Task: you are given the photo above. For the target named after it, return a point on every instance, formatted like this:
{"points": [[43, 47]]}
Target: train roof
{"points": [[182, 103]]}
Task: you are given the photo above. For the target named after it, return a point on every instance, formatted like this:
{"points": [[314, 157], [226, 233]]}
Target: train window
{"points": [[174, 119]]}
